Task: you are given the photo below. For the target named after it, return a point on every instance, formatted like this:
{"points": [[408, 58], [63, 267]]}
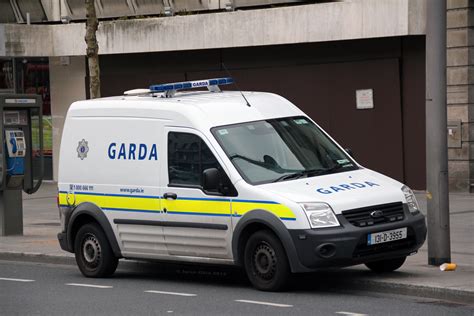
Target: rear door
{"points": [[197, 224], [126, 159]]}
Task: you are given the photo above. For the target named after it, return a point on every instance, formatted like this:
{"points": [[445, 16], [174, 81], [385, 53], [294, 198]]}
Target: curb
{"points": [[431, 292], [37, 258], [438, 293]]}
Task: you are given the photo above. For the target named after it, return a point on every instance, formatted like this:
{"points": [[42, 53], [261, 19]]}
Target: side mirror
{"points": [[211, 180], [349, 151]]}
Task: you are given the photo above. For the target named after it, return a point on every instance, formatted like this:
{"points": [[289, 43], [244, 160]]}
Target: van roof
{"points": [[198, 109], [190, 109]]}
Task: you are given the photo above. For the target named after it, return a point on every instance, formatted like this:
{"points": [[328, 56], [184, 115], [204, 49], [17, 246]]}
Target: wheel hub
{"points": [[91, 249], [264, 261]]}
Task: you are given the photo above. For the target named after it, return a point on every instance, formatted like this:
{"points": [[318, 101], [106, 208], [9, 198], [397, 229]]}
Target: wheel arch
{"points": [[259, 220], [86, 213]]}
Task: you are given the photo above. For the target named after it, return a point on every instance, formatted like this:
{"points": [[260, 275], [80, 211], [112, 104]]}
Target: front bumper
{"points": [[347, 245]]}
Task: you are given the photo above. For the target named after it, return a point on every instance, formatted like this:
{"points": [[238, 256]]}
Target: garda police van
{"points": [[217, 177]]}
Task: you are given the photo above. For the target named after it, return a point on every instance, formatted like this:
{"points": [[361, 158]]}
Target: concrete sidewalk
{"points": [[41, 224]]}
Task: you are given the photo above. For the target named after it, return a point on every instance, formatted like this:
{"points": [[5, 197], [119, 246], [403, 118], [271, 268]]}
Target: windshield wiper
{"points": [[295, 175], [299, 174], [310, 173], [332, 169], [255, 162]]}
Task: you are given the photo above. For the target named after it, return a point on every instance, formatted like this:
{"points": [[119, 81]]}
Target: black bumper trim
{"points": [[170, 224], [346, 245], [62, 238]]}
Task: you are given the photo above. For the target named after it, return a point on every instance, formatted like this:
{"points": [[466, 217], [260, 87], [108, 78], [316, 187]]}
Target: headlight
{"points": [[320, 215], [411, 200]]}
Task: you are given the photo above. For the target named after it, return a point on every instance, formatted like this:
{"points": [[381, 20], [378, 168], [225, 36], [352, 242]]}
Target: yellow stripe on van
{"points": [[63, 199], [112, 202], [192, 206], [280, 210], [198, 206]]}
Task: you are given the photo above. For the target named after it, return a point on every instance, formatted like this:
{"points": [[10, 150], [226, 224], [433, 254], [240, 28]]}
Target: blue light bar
{"points": [[210, 83]]}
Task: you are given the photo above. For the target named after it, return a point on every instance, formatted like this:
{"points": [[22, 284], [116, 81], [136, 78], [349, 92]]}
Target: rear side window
{"points": [[188, 157]]}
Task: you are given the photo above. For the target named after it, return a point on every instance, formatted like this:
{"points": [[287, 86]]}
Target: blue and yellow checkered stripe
{"points": [[180, 206]]}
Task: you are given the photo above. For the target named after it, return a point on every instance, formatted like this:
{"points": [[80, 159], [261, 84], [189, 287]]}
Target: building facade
{"points": [[321, 56], [460, 77]]}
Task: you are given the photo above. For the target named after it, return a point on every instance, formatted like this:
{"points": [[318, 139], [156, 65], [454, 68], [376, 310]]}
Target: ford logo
{"points": [[376, 214]]}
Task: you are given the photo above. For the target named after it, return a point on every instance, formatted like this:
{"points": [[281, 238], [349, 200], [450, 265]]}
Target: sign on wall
{"points": [[365, 99]]}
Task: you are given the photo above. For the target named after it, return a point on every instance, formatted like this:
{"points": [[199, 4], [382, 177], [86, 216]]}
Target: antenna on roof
{"points": [[236, 84]]}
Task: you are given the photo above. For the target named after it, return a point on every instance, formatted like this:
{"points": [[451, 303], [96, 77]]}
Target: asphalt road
{"points": [[47, 289]]}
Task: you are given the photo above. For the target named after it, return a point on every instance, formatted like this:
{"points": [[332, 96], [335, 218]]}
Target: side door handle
{"points": [[170, 196]]}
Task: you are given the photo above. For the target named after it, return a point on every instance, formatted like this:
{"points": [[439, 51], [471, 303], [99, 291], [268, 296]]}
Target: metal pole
{"points": [[439, 248]]}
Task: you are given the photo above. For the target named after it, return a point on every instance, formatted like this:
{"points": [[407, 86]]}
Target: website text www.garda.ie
{"points": [[131, 190]]}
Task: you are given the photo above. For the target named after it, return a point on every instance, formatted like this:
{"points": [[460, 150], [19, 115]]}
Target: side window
{"points": [[188, 157]]}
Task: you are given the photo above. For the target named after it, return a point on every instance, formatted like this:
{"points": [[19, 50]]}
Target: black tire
{"points": [[94, 256], [384, 266], [266, 262]]}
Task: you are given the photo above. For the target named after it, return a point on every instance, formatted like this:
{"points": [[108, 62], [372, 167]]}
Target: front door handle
{"points": [[170, 196]]}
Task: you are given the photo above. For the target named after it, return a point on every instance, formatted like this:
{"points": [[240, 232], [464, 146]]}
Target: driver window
{"points": [[188, 157]]}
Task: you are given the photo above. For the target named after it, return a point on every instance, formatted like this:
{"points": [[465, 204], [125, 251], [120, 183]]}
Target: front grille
{"points": [[363, 249], [385, 213]]}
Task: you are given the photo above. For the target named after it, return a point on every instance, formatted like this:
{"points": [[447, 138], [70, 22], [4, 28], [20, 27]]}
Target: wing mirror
{"points": [[211, 180]]}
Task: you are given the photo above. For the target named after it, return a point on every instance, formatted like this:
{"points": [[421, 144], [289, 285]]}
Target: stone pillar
{"points": [[460, 94], [67, 81]]}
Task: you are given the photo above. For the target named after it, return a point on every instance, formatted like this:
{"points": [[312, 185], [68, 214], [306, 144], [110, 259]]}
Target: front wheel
{"points": [[266, 262], [388, 265], [94, 256]]}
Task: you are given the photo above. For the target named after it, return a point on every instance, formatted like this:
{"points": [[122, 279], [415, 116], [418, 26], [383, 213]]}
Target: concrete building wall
{"points": [[460, 76], [67, 79], [310, 23]]}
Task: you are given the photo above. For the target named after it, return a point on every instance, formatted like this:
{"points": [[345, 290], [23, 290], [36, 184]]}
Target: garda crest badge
{"points": [[82, 149]]}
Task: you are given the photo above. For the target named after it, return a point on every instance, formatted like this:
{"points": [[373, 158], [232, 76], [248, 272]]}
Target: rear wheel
{"points": [[388, 265], [266, 262], [94, 256]]}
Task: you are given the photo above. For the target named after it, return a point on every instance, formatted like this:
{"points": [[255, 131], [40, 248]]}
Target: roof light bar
{"points": [[137, 92], [170, 88]]}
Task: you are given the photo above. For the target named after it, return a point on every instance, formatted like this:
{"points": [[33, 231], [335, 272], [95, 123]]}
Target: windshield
{"points": [[281, 149]]}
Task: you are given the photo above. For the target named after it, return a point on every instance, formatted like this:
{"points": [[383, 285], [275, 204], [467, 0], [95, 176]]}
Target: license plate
{"points": [[387, 236]]}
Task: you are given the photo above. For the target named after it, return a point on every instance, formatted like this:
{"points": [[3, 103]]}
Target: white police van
{"points": [[223, 177]]}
